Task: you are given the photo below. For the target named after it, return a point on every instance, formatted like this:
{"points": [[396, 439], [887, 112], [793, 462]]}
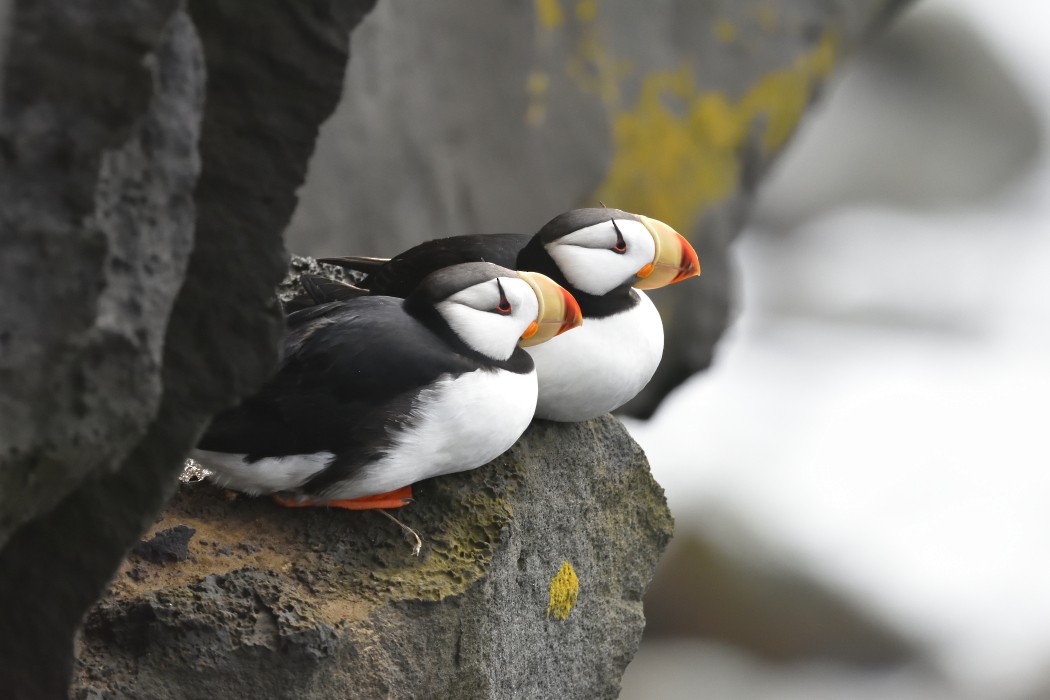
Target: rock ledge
{"points": [[529, 584]]}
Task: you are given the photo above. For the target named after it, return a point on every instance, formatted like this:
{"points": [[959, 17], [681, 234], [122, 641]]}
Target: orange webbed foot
{"points": [[397, 498]]}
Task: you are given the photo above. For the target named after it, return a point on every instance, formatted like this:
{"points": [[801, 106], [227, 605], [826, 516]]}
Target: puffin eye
{"points": [[621, 245], [504, 306]]}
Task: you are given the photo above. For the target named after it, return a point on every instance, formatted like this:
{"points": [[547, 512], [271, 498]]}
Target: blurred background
{"points": [[862, 500], [863, 508]]}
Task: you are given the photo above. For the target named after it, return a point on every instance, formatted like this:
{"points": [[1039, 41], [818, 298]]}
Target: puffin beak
{"points": [[558, 310], [675, 259]]}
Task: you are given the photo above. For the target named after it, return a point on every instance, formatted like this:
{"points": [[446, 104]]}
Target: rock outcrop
{"points": [[529, 585], [150, 157]]}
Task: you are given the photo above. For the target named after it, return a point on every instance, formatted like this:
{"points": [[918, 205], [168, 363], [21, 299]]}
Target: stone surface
{"points": [[101, 113], [124, 327], [166, 546], [323, 603], [475, 119], [92, 158]]}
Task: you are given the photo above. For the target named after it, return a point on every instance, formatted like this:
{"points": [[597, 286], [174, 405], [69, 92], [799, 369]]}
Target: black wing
{"points": [[401, 274], [359, 263], [321, 290], [349, 372]]}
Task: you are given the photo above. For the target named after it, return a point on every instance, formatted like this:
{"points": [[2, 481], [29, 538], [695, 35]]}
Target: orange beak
{"points": [[558, 310], [675, 259]]}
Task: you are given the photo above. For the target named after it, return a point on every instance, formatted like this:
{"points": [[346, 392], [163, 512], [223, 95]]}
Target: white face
{"points": [[596, 260], [488, 321]]}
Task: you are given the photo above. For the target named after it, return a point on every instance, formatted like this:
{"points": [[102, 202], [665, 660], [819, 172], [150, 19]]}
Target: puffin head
{"points": [[493, 309], [599, 250]]}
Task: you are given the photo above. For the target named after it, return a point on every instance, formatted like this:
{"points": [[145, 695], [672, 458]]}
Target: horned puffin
{"points": [[605, 257], [375, 393]]}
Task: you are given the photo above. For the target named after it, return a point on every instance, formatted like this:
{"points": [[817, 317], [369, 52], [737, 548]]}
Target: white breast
{"points": [[599, 366], [458, 424]]}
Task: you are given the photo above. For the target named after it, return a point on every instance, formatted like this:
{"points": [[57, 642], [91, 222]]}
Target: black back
{"points": [[348, 376], [400, 275], [403, 273]]}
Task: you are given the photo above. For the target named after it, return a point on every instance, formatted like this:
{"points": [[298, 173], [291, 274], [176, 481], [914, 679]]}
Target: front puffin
{"points": [[375, 393]]}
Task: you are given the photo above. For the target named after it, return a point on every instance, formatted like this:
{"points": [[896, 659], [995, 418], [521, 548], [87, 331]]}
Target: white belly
{"points": [[599, 366], [268, 475], [458, 424]]}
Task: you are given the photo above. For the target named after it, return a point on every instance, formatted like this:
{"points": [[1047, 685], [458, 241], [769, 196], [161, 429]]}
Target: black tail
{"points": [[356, 262], [321, 290]]}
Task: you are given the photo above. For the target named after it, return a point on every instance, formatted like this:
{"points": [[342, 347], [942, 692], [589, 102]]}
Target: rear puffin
{"points": [[375, 393], [605, 258]]}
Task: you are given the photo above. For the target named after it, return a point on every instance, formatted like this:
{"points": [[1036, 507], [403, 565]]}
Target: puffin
{"points": [[374, 393], [607, 259]]}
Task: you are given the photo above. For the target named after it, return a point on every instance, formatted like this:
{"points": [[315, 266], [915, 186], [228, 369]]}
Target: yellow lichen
{"points": [[677, 150], [586, 10], [596, 70], [565, 587], [536, 86], [550, 13], [767, 18], [725, 31]]}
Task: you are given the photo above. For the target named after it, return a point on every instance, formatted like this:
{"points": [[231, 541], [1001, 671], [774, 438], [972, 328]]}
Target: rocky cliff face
{"points": [[529, 585], [150, 156]]}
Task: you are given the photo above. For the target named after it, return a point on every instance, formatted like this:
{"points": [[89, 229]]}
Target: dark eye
{"points": [[621, 245], [504, 306]]}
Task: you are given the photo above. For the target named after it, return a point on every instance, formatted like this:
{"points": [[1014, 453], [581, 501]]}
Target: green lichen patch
{"points": [[460, 519]]}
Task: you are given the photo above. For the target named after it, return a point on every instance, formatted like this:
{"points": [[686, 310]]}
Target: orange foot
{"points": [[392, 499]]}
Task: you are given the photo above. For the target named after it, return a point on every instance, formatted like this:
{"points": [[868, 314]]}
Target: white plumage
{"points": [[601, 365], [457, 424]]}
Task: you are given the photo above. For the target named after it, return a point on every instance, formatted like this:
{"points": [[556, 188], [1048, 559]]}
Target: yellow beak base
{"points": [[675, 259], [558, 310]]}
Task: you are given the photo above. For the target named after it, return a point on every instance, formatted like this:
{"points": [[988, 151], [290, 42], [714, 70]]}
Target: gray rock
{"points": [[92, 157], [529, 585], [122, 326], [473, 119], [170, 545], [101, 113]]}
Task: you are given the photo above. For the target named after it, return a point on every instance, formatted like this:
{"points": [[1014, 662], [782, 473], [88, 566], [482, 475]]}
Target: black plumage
{"points": [[347, 379], [400, 275]]}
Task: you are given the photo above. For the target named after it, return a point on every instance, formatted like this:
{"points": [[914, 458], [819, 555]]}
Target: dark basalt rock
{"points": [[529, 585], [170, 545], [150, 154]]}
